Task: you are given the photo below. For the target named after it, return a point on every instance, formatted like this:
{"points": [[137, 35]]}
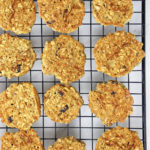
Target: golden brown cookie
{"points": [[112, 12], [20, 106], [119, 138], [118, 53], [22, 140], [67, 143], [62, 103], [16, 56], [111, 102], [17, 16], [65, 58], [64, 16]]}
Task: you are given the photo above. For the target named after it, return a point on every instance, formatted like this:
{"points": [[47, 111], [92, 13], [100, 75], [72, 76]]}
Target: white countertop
{"points": [[148, 70]]}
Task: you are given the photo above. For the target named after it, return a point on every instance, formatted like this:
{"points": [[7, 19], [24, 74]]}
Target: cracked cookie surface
{"points": [[64, 16], [17, 16], [112, 12], [20, 106], [62, 103], [68, 143], [21, 140], [16, 56], [65, 58], [119, 138], [111, 102], [118, 53]]}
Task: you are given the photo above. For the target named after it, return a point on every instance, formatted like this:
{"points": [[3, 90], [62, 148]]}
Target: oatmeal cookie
{"points": [[64, 16], [20, 106], [119, 138], [111, 102], [22, 140], [17, 16], [68, 143], [65, 58], [62, 103], [118, 53], [112, 12], [16, 56]]}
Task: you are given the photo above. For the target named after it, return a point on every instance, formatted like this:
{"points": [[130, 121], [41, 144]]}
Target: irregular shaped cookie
{"points": [[62, 103], [17, 16], [64, 16], [118, 53], [111, 102], [112, 12], [20, 106], [16, 56], [119, 138], [65, 58], [68, 143], [22, 140]]}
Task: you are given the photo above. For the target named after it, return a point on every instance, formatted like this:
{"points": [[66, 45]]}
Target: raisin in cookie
{"points": [[117, 54], [17, 16], [119, 138], [68, 143], [20, 106], [62, 103], [16, 56], [111, 102], [22, 140], [112, 12], [64, 16], [65, 58]]}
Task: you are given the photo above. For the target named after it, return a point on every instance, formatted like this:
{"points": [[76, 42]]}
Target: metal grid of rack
{"points": [[86, 127]]}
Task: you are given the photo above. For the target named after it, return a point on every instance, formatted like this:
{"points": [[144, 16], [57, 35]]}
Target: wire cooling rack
{"points": [[86, 127]]}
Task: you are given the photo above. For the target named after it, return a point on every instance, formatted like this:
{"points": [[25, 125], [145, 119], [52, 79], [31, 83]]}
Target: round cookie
{"points": [[16, 56], [111, 102], [20, 106], [68, 143], [65, 58], [119, 138], [22, 140], [17, 16], [64, 16], [62, 103], [117, 54], [112, 12]]}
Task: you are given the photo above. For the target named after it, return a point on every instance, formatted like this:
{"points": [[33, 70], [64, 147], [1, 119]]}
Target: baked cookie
{"points": [[64, 16], [111, 102], [119, 138], [112, 12], [68, 143], [62, 103], [22, 140], [118, 53], [16, 56], [65, 58], [20, 106], [17, 16]]}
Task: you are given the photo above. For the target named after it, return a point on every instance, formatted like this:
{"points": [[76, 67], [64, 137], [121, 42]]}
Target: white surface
{"points": [[148, 70]]}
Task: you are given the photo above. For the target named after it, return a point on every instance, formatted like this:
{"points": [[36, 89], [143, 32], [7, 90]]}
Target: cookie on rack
{"points": [[112, 12], [64, 16], [16, 56], [119, 138], [118, 53], [62, 103], [65, 58], [22, 140], [111, 102], [68, 143], [17, 16], [20, 106]]}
